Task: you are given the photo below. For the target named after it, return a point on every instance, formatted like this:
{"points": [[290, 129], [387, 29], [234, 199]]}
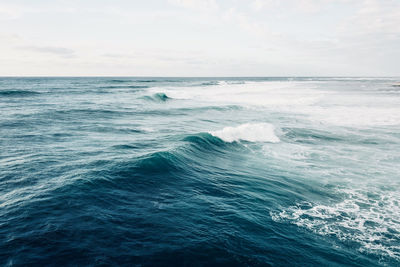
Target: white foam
{"points": [[319, 103], [370, 219], [265, 94], [253, 132], [356, 116]]}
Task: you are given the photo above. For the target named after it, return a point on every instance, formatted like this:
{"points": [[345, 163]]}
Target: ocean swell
{"points": [[205, 171]]}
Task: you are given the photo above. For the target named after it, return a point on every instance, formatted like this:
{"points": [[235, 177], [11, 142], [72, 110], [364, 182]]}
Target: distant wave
{"points": [[208, 83], [253, 132], [125, 87], [230, 82], [119, 81], [81, 114], [218, 108], [16, 93], [213, 83], [157, 97], [146, 81]]}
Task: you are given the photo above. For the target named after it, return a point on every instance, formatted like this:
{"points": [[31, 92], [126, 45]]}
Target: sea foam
{"points": [[253, 132], [369, 219]]}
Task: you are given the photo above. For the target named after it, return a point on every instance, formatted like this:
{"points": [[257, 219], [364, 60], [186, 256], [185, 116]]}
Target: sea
{"points": [[153, 171]]}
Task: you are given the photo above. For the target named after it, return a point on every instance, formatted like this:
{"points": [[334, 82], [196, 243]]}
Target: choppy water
{"points": [[190, 171]]}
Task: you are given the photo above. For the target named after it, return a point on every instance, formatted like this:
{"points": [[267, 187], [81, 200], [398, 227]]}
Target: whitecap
{"points": [[370, 219], [252, 132]]}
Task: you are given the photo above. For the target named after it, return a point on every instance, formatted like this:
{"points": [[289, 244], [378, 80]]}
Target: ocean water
{"points": [[200, 171]]}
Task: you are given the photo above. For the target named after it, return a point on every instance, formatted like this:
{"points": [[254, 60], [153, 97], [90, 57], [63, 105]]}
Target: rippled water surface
{"points": [[200, 171]]}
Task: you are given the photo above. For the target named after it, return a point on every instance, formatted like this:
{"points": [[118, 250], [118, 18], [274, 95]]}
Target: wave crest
{"points": [[252, 132], [158, 97]]}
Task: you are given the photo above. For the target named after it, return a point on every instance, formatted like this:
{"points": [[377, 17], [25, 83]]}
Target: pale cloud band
{"points": [[200, 38]]}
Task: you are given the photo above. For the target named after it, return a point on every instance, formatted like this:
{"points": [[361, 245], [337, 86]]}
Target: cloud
{"points": [[374, 17], [117, 55], [9, 12], [258, 5], [244, 21], [60, 51], [9, 38], [296, 6], [204, 5]]}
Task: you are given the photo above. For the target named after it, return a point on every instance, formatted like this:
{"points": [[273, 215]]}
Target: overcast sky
{"points": [[200, 37]]}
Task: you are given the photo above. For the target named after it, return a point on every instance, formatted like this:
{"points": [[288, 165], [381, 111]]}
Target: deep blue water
{"points": [[199, 171]]}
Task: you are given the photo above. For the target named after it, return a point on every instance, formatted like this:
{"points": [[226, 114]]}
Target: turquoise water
{"points": [[200, 171]]}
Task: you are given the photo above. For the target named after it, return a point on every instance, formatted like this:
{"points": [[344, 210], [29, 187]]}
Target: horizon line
{"points": [[148, 76]]}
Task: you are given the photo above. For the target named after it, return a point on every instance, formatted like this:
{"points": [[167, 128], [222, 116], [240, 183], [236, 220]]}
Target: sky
{"points": [[200, 38]]}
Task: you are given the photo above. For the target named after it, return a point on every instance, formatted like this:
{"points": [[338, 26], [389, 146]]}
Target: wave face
{"points": [[200, 171]]}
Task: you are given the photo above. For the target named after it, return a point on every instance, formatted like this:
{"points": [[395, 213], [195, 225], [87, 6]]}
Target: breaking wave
{"points": [[157, 97], [252, 132]]}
